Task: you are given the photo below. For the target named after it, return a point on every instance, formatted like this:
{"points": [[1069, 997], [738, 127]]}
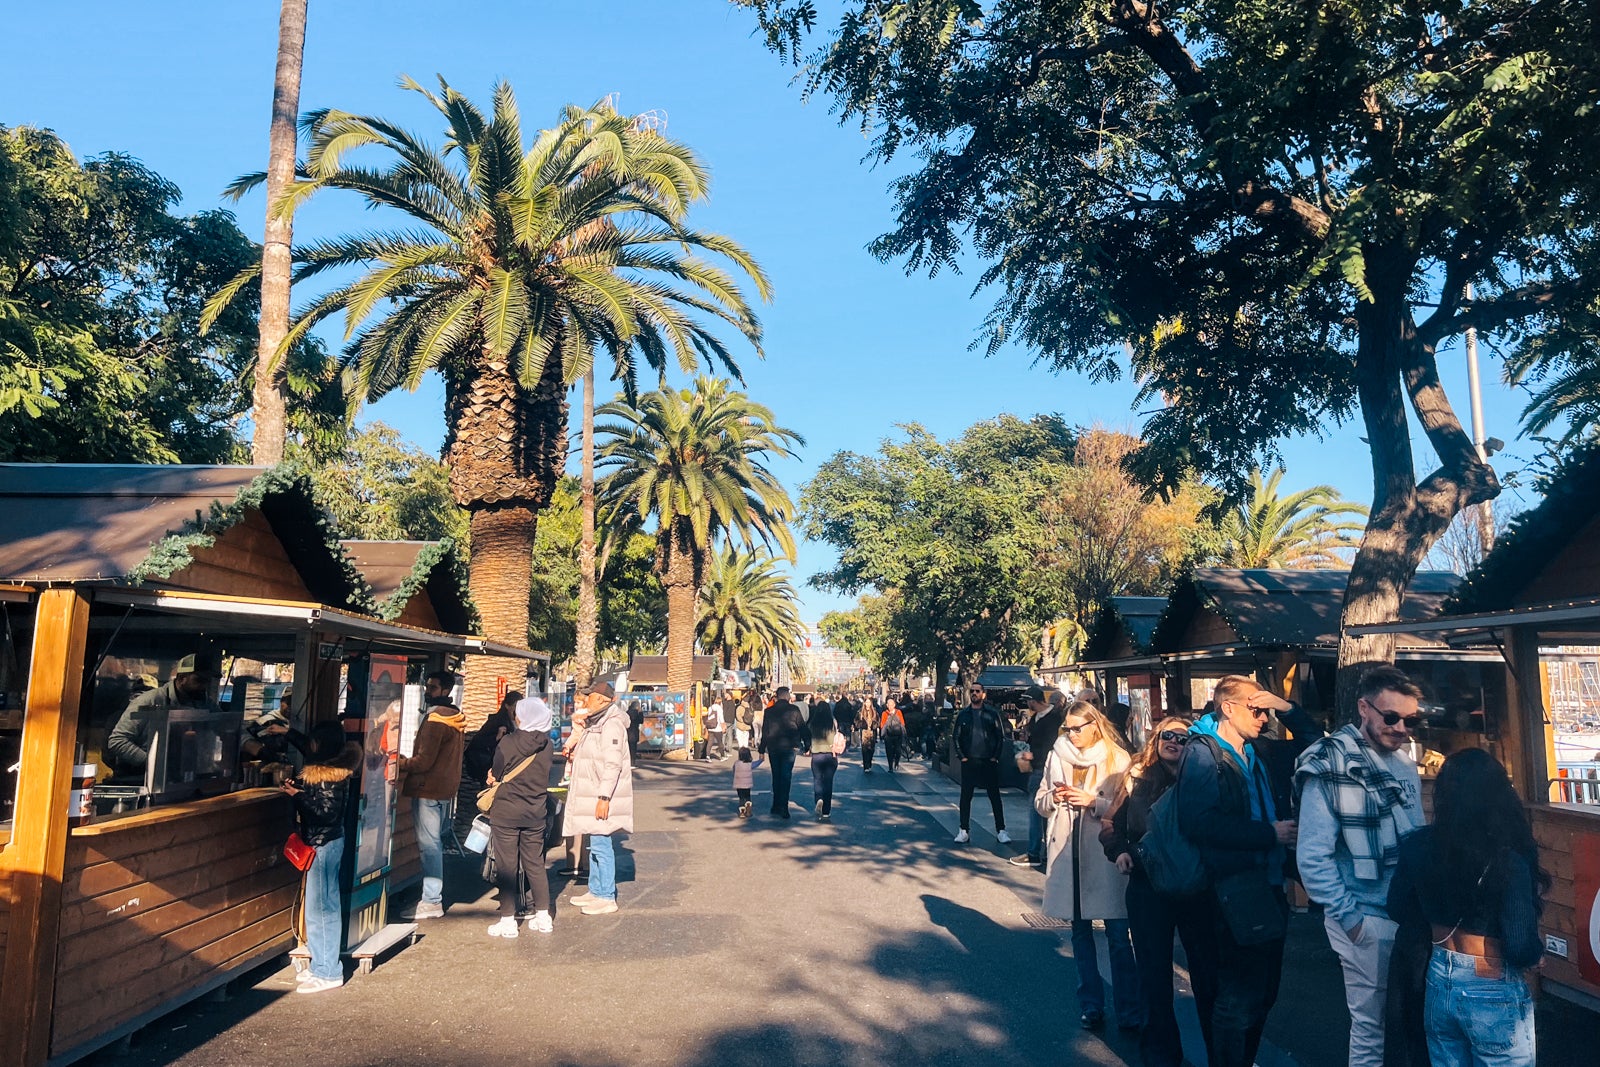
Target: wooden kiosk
{"points": [[108, 576], [1536, 598]]}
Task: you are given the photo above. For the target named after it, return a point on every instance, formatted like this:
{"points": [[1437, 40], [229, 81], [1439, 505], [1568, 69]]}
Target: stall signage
{"points": [[330, 650], [1586, 904]]}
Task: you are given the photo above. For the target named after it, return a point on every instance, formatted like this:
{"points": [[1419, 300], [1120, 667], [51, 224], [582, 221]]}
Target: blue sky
{"points": [[853, 345]]}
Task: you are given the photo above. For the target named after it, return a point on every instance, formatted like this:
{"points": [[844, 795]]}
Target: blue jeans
{"points": [[602, 867], [429, 815], [1474, 1021], [1035, 820], [324, 908], [1124, 971]]}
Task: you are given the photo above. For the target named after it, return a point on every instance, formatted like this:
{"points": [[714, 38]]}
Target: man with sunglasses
{"points": [[1359, 794]]}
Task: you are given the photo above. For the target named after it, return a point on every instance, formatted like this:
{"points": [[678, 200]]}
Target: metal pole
{"points": [[1475, 388]]}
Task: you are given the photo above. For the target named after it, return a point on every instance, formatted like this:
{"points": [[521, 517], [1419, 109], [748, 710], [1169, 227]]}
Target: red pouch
{"points": [[298, 853]]}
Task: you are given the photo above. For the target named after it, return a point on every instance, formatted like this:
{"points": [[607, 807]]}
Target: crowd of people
{"points": [[1193, 836]]}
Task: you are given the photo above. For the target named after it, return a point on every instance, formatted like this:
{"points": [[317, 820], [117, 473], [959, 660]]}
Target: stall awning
{"points": [[1128, 663], [1568, 613], [256, 615]]}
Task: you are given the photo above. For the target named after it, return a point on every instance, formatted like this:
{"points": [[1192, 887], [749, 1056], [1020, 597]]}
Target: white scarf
{"points": [[1093, 756]]}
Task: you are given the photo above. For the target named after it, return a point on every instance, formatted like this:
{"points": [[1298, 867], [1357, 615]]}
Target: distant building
{"points": [[822, 664]]}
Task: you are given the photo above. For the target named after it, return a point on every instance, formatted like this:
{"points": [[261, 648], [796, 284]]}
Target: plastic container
{"points": [[80, 802], [478, 837]]}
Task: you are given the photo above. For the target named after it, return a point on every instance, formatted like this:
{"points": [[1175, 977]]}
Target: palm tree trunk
{"points": [[501, 582], [682, 594], [588, 625], [267, 412]]}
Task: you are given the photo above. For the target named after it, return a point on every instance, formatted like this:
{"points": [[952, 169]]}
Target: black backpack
{"points": [[1170, 860]]}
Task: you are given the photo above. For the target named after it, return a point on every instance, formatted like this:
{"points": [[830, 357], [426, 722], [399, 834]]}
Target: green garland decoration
{"points": [[445, 557], [283, 492]]}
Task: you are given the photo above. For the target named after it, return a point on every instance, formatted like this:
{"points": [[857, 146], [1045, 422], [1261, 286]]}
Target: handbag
{"points": [[486, 798], [1168, 858], [1253, 909], [299, 854], [839, 741]]}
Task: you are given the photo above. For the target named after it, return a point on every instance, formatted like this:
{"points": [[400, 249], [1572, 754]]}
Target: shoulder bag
{"points": [[486, 798], [298, 853]]}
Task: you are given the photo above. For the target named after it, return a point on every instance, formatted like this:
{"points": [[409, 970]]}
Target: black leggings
{"points": [[519, 868], [1153, 919], [891, 747], [823, 767]]}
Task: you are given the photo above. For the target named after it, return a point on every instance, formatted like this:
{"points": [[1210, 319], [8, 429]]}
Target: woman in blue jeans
{"points": [[1473, 881], [1080, 883], [320, 795]]}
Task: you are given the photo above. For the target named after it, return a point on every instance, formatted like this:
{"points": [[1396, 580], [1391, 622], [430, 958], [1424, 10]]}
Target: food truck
{"points": [[136, 877]]}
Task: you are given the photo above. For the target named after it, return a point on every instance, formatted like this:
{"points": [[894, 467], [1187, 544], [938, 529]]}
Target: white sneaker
{"points": [[1003, 837], [426, 910], [962, 837], [599, 907], [319, 985], [582, 899], [506, 927], [540, 923]]}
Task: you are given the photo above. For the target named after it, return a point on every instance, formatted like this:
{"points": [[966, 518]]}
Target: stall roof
{"points": [[1135, 616], [78, 522], [1285, 608], [398, 570], [652, 670]]}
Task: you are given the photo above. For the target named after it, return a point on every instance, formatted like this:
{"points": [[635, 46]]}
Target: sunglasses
{"points": [[1180, 736], [1391, 718], [1076, 729]]}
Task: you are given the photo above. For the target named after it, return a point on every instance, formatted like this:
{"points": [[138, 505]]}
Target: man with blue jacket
{"points": [[1229, 812]]}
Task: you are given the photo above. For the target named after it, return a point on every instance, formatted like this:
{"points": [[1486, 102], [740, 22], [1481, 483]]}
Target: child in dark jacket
{"points": [[320, 795]]}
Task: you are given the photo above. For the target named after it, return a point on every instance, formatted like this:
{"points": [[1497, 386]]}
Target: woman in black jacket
{"points": [[522, 763], [1152, 917], [320, 795], [1473, 881], [478, 758]]}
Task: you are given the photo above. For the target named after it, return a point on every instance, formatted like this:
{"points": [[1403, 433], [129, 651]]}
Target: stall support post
{"points": [[38, 852], [1530, 747]]}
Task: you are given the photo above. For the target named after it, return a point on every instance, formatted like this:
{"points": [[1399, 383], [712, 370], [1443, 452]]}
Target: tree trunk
{"points": [[1407, 517], [501, 582], [588, 625], [267, 410], [681, 597]]}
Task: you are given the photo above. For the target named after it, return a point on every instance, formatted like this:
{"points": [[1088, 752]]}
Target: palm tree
{"points": [[692, 461], [588, 621], [748, 611], [267, 414], [520, 263], [1303, 530]]}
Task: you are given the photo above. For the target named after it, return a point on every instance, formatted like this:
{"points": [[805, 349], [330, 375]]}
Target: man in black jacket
{"points": [[979, 743], [781, 734], [1231, 815], [1044, 726]]}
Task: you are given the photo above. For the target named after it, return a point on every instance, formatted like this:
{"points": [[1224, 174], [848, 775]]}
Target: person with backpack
{"points": [[1228, 812], [1359, 793], [1154, 917], [892, 724], [1082, 884]]}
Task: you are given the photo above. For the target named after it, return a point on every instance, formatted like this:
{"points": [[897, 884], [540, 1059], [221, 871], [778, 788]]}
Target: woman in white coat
{"points": [[1081, 884]]}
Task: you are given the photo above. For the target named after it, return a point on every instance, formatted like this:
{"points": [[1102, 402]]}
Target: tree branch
{"points": [[1486, 315]]}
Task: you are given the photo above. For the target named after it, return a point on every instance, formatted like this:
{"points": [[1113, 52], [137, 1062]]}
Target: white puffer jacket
{"points": [[601, 768]]}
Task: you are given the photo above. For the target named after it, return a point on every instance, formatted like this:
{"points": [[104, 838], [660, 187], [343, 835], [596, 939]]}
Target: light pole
{"points": [[1475, 388]]}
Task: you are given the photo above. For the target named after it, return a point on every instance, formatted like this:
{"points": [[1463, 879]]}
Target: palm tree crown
{"points": [[519, 262], [693, 461], [748, 611], [1302, 530]]}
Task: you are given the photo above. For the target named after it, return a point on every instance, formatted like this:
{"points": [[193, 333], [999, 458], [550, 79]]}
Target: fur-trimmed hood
{"points": [[337, 769]]}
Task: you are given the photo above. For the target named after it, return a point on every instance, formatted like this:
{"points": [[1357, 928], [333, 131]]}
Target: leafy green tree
{"points": [[749, 614], [1306, 529], [1277, 208], [951, 534], [520, 263], [381, 488], [693, 464], [101, 290]]}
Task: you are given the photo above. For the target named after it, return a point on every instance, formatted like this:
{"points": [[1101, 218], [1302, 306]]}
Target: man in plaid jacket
{"points": [[1359, 793]]}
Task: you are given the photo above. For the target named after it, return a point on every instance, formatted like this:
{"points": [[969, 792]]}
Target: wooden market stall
{"points": [[166, 880], [1536, 598]]}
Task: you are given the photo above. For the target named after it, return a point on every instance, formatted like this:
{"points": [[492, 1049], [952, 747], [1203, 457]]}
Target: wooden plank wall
{"points": [[5, 914], [1554, 828], [247, 560], [155, 908]]}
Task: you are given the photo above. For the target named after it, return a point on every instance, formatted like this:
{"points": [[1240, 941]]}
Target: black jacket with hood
{"points": [[324, 792], [524, 800]]}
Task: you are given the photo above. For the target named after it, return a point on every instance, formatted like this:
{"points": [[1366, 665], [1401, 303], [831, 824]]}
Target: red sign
{"points": [[1585, 945]]}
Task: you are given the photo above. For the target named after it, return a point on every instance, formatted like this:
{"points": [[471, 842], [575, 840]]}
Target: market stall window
{"points": [[1569, 675], [16, 644]]}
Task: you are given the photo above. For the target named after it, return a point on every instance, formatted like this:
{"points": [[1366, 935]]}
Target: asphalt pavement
{"points": [[869, 940]]}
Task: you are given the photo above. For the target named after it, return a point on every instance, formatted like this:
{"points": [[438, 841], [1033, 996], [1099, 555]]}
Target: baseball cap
{"points": [[1034, 692], [196, 663]]}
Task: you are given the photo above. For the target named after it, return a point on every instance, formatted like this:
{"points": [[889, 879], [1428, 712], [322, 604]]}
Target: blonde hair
{"points": [[1233, 687], [1109, 732]]}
